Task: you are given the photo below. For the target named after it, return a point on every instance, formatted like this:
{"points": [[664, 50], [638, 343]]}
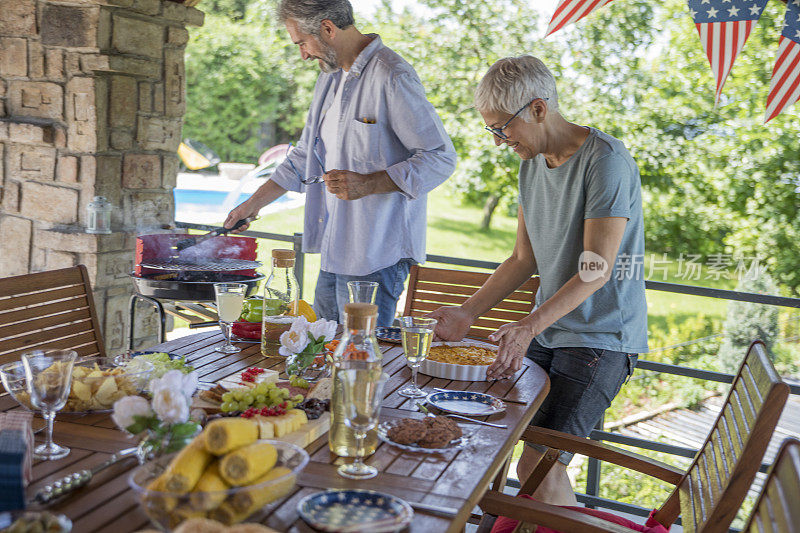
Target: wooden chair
{"points": [[49, 310], [431, 288], [777, 509], [708, 494]]}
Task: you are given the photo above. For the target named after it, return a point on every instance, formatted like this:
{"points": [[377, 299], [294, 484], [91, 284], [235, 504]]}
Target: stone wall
{"points": [[92, 95]]}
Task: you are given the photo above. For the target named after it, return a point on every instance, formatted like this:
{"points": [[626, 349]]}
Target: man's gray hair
{"points": [[309, 14], [512, 82]]}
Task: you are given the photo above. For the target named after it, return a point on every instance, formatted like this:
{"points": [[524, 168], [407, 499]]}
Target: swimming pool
{"points": [[202, 206]]}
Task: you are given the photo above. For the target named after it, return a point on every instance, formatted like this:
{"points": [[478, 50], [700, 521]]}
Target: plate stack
{"points": [[16, 450]]}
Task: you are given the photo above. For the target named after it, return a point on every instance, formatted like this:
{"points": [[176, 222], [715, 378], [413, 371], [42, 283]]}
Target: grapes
{"points": [[259, 397], [297, 381]]}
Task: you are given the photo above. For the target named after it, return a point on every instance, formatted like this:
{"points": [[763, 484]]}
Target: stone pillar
{"points": [[92, 95]]}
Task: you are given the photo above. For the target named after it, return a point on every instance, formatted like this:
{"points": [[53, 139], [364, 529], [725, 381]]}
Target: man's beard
{"points": [[328, 62]]}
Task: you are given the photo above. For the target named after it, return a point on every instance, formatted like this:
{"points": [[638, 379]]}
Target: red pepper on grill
{"points": [[246, 330]]}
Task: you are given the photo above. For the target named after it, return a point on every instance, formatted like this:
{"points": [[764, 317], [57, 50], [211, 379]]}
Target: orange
{"points": [[303, 308]]}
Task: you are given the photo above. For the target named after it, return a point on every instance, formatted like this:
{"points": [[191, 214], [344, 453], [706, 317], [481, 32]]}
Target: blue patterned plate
{"points": [[466, 403], [388, 334], [354, 511]]}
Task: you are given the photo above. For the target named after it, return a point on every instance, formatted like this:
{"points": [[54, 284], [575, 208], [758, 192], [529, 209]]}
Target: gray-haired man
{"points": [[379, 146]]}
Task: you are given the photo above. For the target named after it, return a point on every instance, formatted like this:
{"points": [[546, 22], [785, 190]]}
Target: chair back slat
{"points": [[740, 435], [778, 506], [688, 503], [14, 304], [432, 288], [40, 281], [48, 310], [723, 452], [85, 344], [731, 428]]}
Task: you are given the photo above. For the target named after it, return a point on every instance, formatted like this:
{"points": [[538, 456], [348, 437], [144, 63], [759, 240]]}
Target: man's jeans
{"points": [[331, 293]]}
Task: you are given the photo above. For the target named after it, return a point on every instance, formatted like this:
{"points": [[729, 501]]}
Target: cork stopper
{"points": [[360, 315], [283, 258]]}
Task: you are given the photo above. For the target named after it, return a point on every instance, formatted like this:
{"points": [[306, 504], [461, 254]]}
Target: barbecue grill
{"points": [[180, 282]]}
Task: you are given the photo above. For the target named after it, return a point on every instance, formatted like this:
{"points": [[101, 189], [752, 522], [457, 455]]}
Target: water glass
{"points": [[230, 300], [362, 393], [416, 332], [48, 377], [362, 291]]}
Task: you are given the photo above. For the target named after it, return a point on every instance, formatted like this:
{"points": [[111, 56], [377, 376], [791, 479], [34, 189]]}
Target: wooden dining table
{"points": [[452, 481]]}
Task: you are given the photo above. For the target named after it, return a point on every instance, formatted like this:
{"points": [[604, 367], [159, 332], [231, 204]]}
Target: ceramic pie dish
{"points": [[453, 371]]}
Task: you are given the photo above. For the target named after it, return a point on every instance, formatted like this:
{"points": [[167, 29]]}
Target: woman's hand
{"points": [[452, 324], [514, 339]]}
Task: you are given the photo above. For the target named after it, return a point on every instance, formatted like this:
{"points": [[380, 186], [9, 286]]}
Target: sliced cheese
{"points": [[274, 427], [265, 426], [268, 376]]}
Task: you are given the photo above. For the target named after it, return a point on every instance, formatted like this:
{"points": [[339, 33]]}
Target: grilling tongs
{"points": [[193, 241]]}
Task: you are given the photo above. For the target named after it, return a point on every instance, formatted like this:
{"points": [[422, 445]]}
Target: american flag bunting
{"points": [[569, 11], [724, 26], [784, 87]]}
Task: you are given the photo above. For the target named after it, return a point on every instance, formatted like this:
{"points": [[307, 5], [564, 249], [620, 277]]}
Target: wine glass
{"points": [[362, 391], [416, 333], [48, 380], [362, 291], [230, 299]]}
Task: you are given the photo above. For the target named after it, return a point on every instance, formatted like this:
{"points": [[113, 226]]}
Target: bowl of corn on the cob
{"points": [[226, 473]]}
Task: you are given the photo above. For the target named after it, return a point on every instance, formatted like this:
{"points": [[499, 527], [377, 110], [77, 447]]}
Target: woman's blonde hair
{"points": [[512, 82]]}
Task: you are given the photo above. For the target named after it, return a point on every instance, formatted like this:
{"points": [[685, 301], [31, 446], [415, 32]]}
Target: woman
{"points": [[580, 227]]}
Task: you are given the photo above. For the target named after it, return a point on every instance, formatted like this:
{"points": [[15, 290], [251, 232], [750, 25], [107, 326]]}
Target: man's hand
{"points": [[347, 185], [452, 324], [239, 212], [514, 340]]}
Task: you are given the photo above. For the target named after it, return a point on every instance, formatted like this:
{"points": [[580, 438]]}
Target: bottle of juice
{"points": [[281, 298], [358, 343]]}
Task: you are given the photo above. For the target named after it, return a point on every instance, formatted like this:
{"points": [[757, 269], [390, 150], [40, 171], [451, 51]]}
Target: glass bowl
{"points": [[14, 381], [166, 509], [96, 384]]}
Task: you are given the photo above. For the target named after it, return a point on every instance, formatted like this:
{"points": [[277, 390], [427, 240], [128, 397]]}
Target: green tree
{"points": [[241, 75], [748, 321], [462, 40]]}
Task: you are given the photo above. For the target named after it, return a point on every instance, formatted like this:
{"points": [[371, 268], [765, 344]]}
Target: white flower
{"points": [[128, 407], [300, 324], [171, 405], [323, 328], [294, 341], [177, 381]]}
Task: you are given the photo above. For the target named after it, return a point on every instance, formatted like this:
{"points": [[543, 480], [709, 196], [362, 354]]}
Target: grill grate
{"points": [[209, 265]]}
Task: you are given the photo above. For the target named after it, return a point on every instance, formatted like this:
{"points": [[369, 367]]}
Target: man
{"points": [[379, 146], [580, 209]]}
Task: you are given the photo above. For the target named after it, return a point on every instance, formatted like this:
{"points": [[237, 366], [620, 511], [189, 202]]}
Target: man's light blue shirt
{"points": [[387, 124]]}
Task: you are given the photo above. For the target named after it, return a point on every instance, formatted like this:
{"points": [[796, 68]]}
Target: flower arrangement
{"points": [[304, 342], [162, 423]]}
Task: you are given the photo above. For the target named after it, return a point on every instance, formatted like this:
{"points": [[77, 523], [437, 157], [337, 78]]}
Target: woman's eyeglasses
{"points": [[499, 131]]}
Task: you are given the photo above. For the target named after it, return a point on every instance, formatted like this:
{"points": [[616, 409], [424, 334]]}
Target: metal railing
{"points": [[591, 497]]}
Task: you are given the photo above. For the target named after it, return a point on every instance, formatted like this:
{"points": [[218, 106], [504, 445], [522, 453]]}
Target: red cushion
{"points": [[503, 524]]}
